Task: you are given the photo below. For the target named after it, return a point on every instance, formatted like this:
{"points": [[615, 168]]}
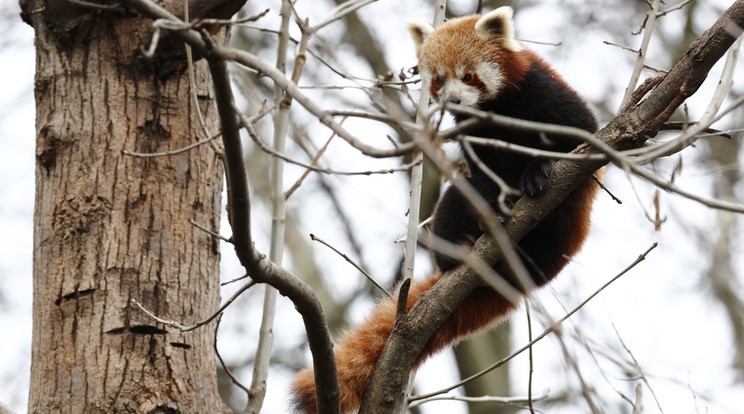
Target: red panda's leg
{"points": [[454, 222], [551, 244]]}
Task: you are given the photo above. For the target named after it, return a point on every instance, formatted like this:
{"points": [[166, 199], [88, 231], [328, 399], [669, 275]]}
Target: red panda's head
{"points": [[469, 60]]}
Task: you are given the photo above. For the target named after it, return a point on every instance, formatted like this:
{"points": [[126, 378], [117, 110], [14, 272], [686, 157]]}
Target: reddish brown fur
{"points": [[456, 43], [533, 58], [358, 349], [356, 354]]}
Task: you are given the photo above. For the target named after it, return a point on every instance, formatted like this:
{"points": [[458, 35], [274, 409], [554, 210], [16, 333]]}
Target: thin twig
{"points": [[234, 280], [711, 112], [617, 157], [637, 366], [618, 45], [186, 328], [229, 22], [648, 29], [484, 398], [340, 12], [167, 21], [116, 6], [210, 232], [307, 171], [505, 190], [552, 328], [226, 368], [532, 362], [279, 214], [353, 263], [605, 189], [253, 134], [673, 8], [170, 153]]}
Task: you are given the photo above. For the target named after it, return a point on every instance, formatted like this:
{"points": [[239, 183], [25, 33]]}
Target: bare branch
{"points": [[210, 232], [613, 132], [486, 398], [340, 12], [417, 173], [359, 268], [711, 113], [170, 153], [253, 134], [309, 168], [262, 360], [186, 328], [530, 398], [249, 60], [504, 189], [552, 328], [648, 30], [673, 8], [629, 129], [229, 373], [257, 265]]}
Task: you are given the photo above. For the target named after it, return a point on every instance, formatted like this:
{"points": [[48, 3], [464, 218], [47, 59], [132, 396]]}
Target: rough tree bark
{"points": [[110, 227]]}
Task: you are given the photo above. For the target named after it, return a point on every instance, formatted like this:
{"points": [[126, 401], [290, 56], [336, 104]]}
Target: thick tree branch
{"points": [[630, 129], [258, 266]]}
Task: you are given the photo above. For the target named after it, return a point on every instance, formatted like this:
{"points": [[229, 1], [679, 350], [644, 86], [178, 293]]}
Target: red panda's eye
{"points": [[467, 78]]}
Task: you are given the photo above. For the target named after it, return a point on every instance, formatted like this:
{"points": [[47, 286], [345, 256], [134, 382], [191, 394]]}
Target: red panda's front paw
{"points": [[536, 177]]}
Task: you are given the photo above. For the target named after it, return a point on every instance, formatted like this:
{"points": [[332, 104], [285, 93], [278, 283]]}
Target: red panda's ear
{"points": [[419, 30], [499, 24]]}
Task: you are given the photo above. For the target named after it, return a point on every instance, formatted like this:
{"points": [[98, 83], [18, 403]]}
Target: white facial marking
{"points": [[460, 71], [455, 91], [490, 74]]}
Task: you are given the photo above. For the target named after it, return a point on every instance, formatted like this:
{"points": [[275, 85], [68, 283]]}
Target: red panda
{"points": [[477, 62]]}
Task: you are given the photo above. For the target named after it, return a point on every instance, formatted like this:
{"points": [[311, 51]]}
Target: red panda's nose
{"points": [[454, 100]]}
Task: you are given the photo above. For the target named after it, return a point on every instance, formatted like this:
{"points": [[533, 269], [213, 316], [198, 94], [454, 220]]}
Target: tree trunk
{"points": [[110, 227]]}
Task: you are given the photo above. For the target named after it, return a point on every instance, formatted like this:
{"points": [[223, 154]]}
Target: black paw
{"points": [[536, 177]]}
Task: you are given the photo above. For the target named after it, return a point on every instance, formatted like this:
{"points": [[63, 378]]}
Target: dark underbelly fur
{"points": [[542, 98]]}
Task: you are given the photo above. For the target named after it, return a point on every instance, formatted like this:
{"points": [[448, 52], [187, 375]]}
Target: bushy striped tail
{"points": [[359, 348]]}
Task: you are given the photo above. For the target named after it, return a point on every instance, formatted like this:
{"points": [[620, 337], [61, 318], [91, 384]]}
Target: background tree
{"points": [[111, 226]]}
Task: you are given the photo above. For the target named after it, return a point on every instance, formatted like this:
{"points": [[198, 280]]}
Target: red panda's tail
{"points": [[359, 348]]}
